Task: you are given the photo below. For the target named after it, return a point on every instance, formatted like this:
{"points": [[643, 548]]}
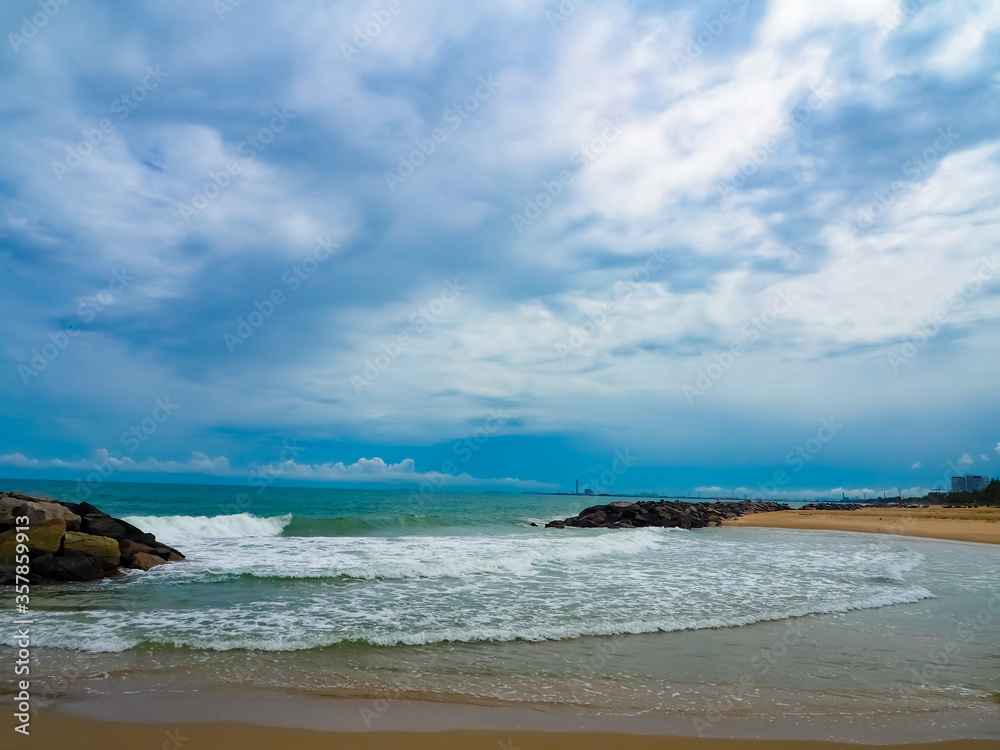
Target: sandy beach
{"points": [[334, 625], [956, 524], [59, 732]]}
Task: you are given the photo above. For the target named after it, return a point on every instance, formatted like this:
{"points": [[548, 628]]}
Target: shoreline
{"points": [[844, 696], [979, 525], [259, 718], [52, 732]]}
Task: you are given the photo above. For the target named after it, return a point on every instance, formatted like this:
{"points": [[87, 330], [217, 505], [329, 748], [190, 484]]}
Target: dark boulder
{"points": [[663, 514], [831, 506], [130, 549], [115, 528], [83, 509], [98, 546], [142, 561], [167, 553], [76, 567]]}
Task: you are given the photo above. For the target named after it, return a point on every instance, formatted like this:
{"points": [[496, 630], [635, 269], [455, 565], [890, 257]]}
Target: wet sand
{"points": [[52, 731], [956, 524]]}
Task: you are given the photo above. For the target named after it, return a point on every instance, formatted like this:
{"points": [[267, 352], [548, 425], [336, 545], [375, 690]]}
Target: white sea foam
{"points": [[483, 587], [177, 529], [368, 558], [248, 628]]}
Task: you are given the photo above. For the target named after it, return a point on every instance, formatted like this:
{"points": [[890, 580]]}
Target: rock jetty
{"points": [[831, 506], [662, 513], [71, 542]]}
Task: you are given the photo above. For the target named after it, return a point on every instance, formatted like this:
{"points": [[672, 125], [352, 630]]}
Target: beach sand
{"points": [[52, 731], [956, 524]]}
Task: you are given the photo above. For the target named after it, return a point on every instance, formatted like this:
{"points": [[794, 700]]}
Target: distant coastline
{"points": [[981, 525]]}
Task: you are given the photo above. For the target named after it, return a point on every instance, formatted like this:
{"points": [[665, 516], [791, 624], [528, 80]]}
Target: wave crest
{"points": [[178, 528]]}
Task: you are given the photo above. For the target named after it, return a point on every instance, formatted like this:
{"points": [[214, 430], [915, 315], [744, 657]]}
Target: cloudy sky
{"points": [[683, 246]]}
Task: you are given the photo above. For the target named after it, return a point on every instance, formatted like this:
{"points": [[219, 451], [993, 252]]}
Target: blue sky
{"points": [[734, 246]]}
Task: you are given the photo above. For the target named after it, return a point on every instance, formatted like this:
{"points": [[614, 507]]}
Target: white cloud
{"points": [[854, 494], [916, 465], [23, 462], [199, 463], [364, 470], [965, 460], [685, 129]]}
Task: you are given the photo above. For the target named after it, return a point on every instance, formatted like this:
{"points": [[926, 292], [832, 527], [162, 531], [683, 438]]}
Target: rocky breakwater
{"points": [[662, 513], [832, 506], [71, 542]]}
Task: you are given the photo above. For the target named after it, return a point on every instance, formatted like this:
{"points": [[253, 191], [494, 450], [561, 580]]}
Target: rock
{"points": [[665, 514], [145, 561], [167, 553], [130, 549], [19, 496], [41, 512], [117, 529], [84, 509], [37, 511], [78, 567], [99, 545], [831, 506], [102, 548], [46, 537], [7, 505]]}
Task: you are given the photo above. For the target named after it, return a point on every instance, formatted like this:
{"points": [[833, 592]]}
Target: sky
{"points": [[728, 248]]}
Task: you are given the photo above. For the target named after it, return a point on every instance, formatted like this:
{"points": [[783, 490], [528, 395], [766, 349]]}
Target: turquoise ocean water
{"points": [[364, 593]]}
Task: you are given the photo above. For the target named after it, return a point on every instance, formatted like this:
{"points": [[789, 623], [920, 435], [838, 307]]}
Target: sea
{"points": [[386, 595]]}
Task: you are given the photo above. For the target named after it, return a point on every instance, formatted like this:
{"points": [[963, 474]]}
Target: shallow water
{"points": [[457, 597]]}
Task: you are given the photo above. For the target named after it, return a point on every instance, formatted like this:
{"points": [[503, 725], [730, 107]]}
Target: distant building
{"points": [[968, 483], [974, 484]]}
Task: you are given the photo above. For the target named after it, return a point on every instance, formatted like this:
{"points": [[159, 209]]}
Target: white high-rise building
{"points": [[968, 483], [973, 484]]}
